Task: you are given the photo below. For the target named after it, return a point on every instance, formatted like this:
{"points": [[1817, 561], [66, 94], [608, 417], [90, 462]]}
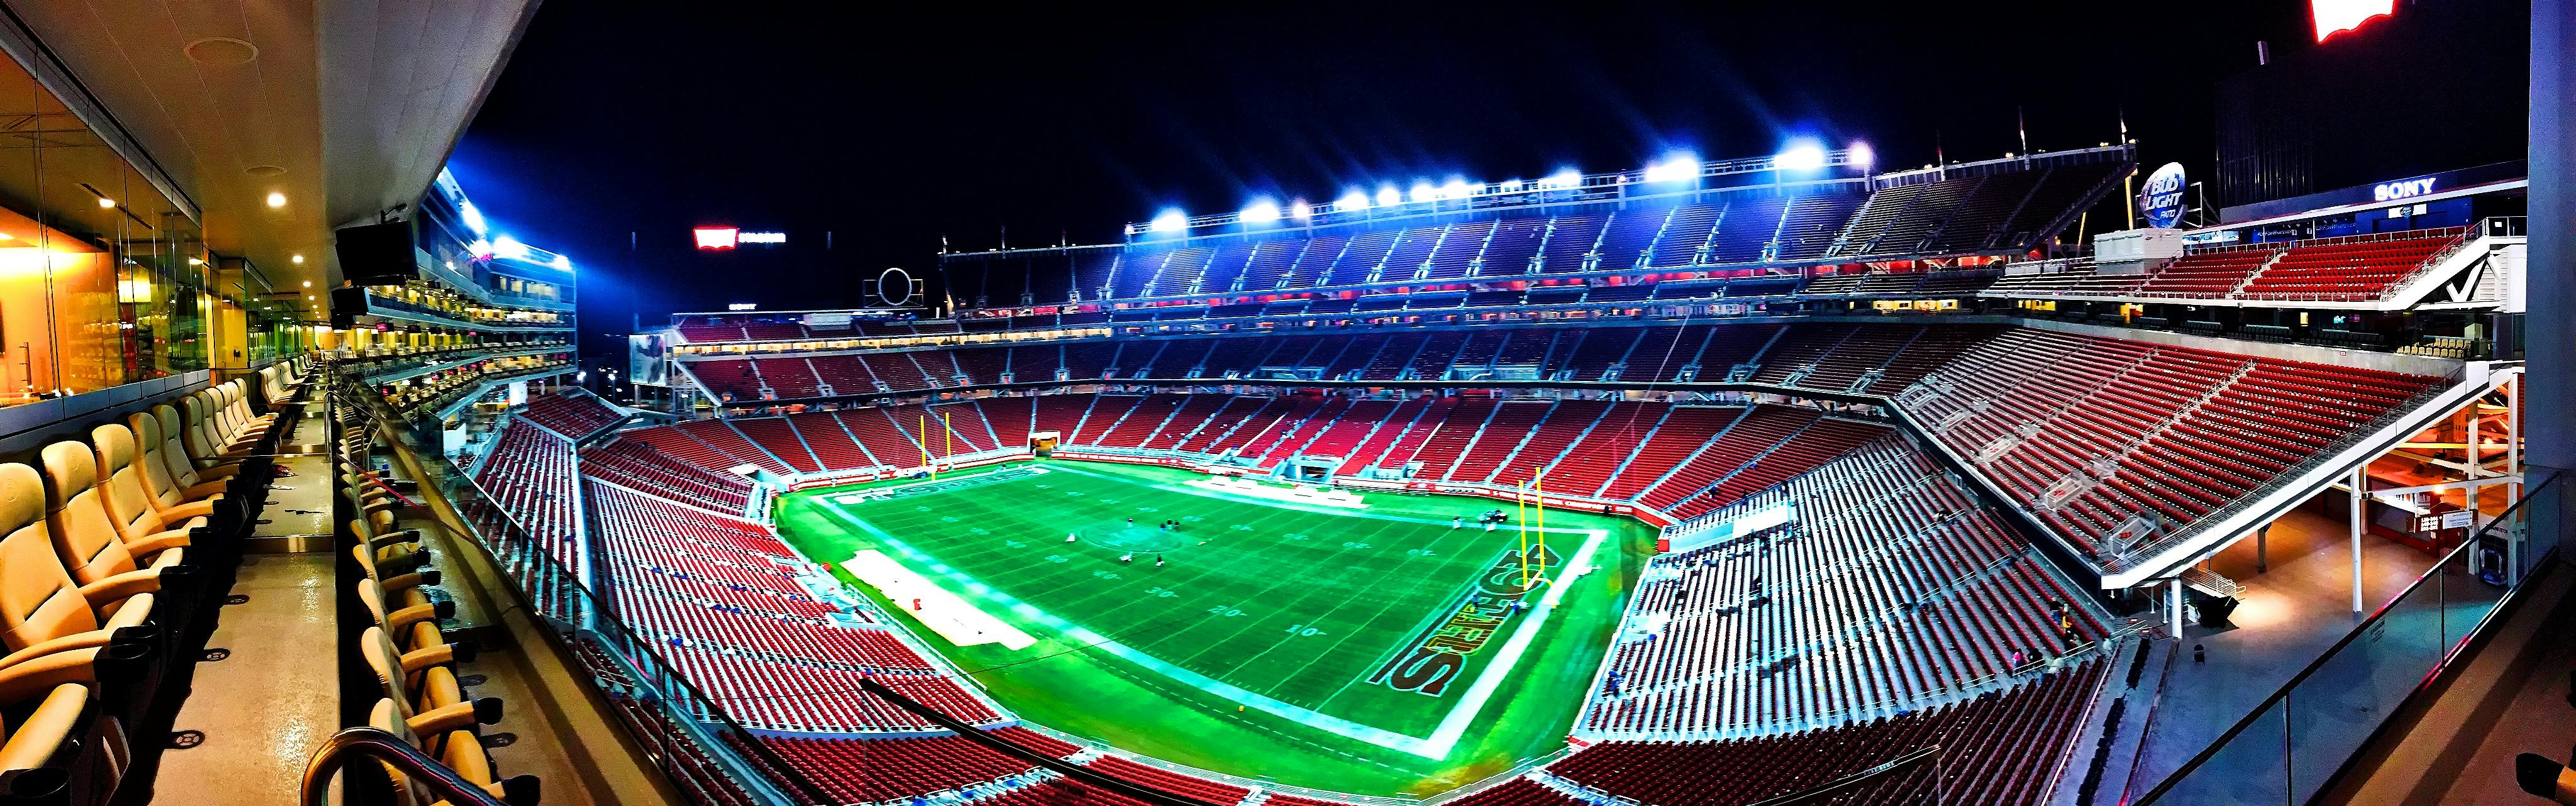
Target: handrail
{"points": [[606, 624], [2283, 693], [1077, 772], [1930, 754], [381, 745]]}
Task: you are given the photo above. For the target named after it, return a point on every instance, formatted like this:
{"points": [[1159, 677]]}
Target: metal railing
{"points": [[382, 746], [684, 731], [2297, 739]]}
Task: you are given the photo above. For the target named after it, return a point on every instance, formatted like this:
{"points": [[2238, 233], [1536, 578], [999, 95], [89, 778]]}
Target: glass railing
{"points": [[2293, 744], [708, 755]]}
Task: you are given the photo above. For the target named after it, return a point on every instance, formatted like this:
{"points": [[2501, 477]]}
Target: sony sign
{"points": [[2161, 199], [2401, 189], [748, 236]]}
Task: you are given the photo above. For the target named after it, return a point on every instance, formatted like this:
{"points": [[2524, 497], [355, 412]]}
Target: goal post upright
{"points": [[1520, 500], [1538, 486]]}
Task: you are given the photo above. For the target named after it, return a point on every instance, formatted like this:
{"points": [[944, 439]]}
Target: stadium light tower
{"points": [[1388, 197], [1801, 155], [1678, 166], [1171, 219], [1563, 179], [1261, 211], [1353, 199], [1300, 210], [1457, 188], [1422, 192], [1862, 156]]}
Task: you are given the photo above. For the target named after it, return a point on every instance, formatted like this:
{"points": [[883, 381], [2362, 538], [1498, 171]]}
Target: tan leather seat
{"points": [[206, 443], [192, 482], [41, 609], [394, 560], [424, 679], [237, 405], [412, 627], [146, 528], [433, 718], [86, 537], [457, 749], [227, 422]]}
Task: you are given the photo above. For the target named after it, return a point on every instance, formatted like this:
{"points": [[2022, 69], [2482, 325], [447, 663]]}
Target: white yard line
{"points": [[1444, 738]]}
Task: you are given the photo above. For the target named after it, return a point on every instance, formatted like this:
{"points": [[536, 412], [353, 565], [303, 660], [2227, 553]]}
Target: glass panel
{"points": [[96, 287], [2247, 771], [2334, 710]]}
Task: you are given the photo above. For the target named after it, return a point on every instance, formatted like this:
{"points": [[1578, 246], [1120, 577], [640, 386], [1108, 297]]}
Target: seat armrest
{"points": [[120, 587], [426, 657], [157, 542], [200, 508], [79, 640]]}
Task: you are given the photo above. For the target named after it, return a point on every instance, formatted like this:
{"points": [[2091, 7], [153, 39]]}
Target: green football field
{"points": [[1376, 651]]}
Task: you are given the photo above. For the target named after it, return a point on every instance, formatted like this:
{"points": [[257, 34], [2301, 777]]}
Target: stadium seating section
{"points": [[2347, 269], [2089, 431]]}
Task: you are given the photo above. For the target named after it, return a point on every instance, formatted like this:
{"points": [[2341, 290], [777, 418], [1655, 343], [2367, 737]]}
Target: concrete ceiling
{"points": [[347, 107]]}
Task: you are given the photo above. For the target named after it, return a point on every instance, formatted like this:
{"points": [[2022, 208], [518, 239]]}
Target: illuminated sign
{"points": [[715, 237], [743, 306], [761, 237], [2161, 199], [2401, 189], [2335, 16]]}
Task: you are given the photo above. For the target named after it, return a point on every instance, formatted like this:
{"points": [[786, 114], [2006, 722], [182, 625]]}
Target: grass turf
{"points": [[1301, 606]]}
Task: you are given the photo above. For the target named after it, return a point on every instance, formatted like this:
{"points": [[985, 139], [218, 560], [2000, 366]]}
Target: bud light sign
{"points": [[2161, 200]]}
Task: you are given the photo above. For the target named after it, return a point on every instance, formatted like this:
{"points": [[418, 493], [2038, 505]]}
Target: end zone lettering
{"points": [[1435, 656]]}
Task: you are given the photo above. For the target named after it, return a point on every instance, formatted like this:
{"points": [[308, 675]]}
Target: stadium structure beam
{"points": [[2549, 319]]}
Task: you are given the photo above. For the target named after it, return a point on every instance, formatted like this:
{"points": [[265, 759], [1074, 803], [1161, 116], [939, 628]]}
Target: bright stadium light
{"points": [[506, 246], [1861, 155], [1563, 179], [1355, 199], [1510, 186], [1300, 210], [479, 248], [1387, 197], [1260, 211], [1422, 192], [473, 217], [1801, 155], [563, 263], [1169, 220], [1457, 188], [1675, 167]]}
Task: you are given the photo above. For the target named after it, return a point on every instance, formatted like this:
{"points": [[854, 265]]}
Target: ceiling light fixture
{"points": [[276, 199]]}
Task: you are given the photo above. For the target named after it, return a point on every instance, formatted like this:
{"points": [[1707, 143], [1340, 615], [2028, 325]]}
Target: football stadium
{"points": [[1708, 420]]}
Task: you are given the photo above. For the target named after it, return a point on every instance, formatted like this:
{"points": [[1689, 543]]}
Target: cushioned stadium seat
{"points": [[146, 529], [182, 475], [423, 681], [205, 439], [86, 534], [236, 401], [412, 626], [42, 610]]}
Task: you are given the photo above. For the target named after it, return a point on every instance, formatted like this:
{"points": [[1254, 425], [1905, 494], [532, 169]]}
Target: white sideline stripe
{"points": [[1443, 739], [954, 618]]}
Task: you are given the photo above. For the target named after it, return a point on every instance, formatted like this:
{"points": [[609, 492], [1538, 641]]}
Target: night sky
{"points": [[892, 131]]}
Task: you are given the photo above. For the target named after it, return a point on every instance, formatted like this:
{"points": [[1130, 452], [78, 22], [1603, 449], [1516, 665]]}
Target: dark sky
{"points": [[894, 130]]}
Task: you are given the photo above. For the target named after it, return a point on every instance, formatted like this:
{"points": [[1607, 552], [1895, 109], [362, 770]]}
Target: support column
{"points": [[2360, 483], [2263, 549], [2173, 605], [2549, 320]]}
